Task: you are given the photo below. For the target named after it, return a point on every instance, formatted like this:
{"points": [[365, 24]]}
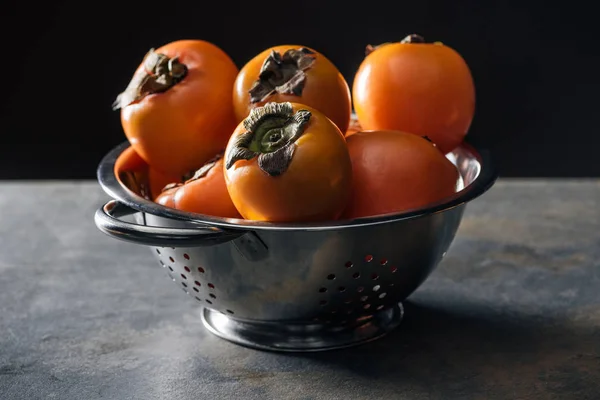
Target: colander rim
{"points": [[114, 188]]}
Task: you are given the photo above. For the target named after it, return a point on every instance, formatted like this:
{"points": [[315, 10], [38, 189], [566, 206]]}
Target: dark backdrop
{"points": [[535, 67]]}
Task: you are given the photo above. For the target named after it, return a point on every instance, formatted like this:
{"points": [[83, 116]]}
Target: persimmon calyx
{"points": [[158, 74], [284, 74], [203, 170], [412, 38], [271, 134]]}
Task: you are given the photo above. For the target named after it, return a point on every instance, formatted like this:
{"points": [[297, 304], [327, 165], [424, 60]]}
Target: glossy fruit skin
{"points": [[315, 187], [325, 89], [180, 129], [207, 195], [167, 197], [421, 88], [158, 180], [396, 171]]}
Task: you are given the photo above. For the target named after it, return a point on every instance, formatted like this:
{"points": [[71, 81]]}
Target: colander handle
{"points": [[107, 219]]}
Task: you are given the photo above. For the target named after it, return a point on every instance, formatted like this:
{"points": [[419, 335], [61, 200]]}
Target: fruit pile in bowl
{"points": [[277, 141], [297, 224]]}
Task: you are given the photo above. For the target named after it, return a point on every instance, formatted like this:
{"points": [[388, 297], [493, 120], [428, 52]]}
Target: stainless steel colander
{"points": [[294, 287]]}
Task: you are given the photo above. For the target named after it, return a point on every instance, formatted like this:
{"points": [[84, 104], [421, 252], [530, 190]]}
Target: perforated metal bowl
{"points": [[291, 287]]}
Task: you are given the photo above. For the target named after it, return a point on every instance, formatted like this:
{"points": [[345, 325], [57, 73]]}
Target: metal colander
{"points": [[293, 287]]}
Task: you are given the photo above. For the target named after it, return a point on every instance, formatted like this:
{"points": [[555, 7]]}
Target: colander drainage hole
{"points": [[376, 288], [201, 270], [197, 298], [208, 301], [379, 307], [170, 268], [196, 290], [364, 298], [197, 283], [183, 276], [161, 263], [157, 251], [356, 275], [229, 311], [374, 276], [323, 302], [342, 289], [349, 264], [383, 261], [187, 269], [331, 277], [382, 295], [394, 269], [360, 289], [368, 258], [183, 284], [212, 295], [186, 256], [171, 259], [322, 290], [366, 306], [210, 285]]}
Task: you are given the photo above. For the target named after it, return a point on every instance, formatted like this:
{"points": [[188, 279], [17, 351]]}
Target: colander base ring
{"points": [[302, 337]]}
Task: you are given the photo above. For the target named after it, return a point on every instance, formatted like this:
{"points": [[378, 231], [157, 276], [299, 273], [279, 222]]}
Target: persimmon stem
{"points": [[271, 134], [159, 74], [283, 74], [413, 38]]}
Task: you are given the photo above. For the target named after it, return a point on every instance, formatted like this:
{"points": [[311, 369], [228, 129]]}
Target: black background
{"points": [[535, 67]]}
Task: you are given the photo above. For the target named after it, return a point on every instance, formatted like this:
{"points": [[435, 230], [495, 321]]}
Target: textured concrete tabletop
{"points": [[513, 312]]}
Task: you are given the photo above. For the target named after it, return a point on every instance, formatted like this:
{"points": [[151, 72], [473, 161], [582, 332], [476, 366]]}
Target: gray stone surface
{"points": [[513, 312]]}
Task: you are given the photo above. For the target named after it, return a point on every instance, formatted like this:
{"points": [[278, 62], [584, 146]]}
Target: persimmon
{"points": [[288, 162], [396, 171], [297, 74], [157, 180], [177, 111], [167, 195], [204, 193], [422, 88]]}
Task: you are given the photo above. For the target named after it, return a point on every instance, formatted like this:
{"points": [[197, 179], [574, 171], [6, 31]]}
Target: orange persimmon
{"points": [[204, 193], [177, 111], [396, 171], [167, 196], [417, 87], [288, 162], [158, 180], [297, 74]]}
